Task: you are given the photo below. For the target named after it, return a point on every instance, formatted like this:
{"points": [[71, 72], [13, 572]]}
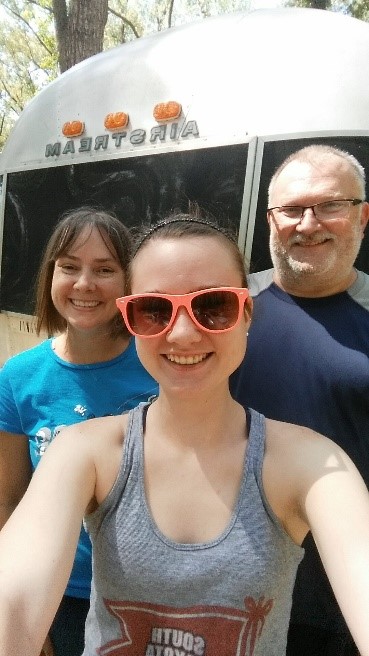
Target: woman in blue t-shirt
{"points": [[88, 368]]}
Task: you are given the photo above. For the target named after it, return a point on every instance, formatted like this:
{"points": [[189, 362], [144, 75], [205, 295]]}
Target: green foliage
{"points": [[309, 4], [359, 9], [355, 8], [28, 56], [126, 22]]}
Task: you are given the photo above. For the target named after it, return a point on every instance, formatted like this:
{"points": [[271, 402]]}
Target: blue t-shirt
{"points": [[307, 363], [40, 394]]}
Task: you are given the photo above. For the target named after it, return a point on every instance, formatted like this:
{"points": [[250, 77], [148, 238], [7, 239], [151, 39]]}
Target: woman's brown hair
{"points": [[116, 238], [179, 225]]}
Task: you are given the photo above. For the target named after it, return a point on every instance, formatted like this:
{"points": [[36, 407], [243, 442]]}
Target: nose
{"points": [[183, 329], [308, 222], [85, 281]]}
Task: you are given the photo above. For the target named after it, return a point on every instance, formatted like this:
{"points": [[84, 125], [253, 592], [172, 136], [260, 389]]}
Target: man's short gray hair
{"points": [[319, 151]]}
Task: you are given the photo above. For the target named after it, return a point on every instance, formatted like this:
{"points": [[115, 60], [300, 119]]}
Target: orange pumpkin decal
{"points": [[116, 120], [167, 111], [73, 128]]}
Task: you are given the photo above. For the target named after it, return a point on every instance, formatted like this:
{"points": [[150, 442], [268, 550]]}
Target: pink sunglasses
{"points": [[213, 310]]}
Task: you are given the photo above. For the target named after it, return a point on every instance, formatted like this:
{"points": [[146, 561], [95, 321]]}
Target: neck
{"points": [[200, 422], [313, 286], [80, 348]]}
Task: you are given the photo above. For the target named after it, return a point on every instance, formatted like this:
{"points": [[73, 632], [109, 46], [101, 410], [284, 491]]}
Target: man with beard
{"points": [[308, 346]]}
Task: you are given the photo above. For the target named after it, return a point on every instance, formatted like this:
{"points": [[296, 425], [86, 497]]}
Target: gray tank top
{"points": [[155, 597]]}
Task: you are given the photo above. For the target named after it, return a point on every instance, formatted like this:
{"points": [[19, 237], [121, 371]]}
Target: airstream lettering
{"points": [[194, 113], [136, 137]]}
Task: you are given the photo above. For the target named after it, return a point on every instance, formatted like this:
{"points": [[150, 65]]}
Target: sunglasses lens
{"points": [[149, 315], [216, 310]]}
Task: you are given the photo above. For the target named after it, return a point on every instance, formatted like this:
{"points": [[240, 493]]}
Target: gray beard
{"points": [[300, 273], [291, 269]]}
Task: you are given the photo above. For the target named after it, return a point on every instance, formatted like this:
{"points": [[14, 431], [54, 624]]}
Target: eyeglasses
{"points": [[330, 209], [214, 310]]}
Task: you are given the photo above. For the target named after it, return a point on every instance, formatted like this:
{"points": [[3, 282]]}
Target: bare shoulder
{"points": [[103, 429], [296, 458], [99, 441], [301, 447]]}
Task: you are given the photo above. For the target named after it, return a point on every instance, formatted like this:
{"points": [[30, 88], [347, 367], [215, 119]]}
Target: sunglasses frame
{"points": [[184, 300]]}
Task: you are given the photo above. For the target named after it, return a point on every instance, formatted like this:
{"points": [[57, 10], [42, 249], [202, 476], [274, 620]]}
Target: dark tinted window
{"points": [[138, 190]]}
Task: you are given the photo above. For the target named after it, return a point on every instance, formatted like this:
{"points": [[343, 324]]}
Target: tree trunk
{"points": [[79, 29]]}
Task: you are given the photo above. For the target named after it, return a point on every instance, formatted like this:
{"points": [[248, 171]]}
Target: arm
{"points": [[15, 472], [337, 510], [312, 484], [38, 543]]}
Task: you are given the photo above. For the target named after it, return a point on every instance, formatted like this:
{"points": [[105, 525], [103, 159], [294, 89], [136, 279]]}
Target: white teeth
{"points": [[189, 359], [85, 303]]}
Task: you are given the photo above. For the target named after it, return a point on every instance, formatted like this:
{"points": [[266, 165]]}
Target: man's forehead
{"points": [[322, 172], [316, 168]]}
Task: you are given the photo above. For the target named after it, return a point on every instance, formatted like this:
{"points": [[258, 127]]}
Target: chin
{"points": [[298, 267]]}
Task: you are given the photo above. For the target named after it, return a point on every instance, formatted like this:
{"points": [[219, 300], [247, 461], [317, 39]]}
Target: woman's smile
{"points": [[84, 304], [187, 359]]}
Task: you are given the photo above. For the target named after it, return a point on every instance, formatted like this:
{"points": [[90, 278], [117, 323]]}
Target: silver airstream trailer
{"points": [[204, 113]]}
